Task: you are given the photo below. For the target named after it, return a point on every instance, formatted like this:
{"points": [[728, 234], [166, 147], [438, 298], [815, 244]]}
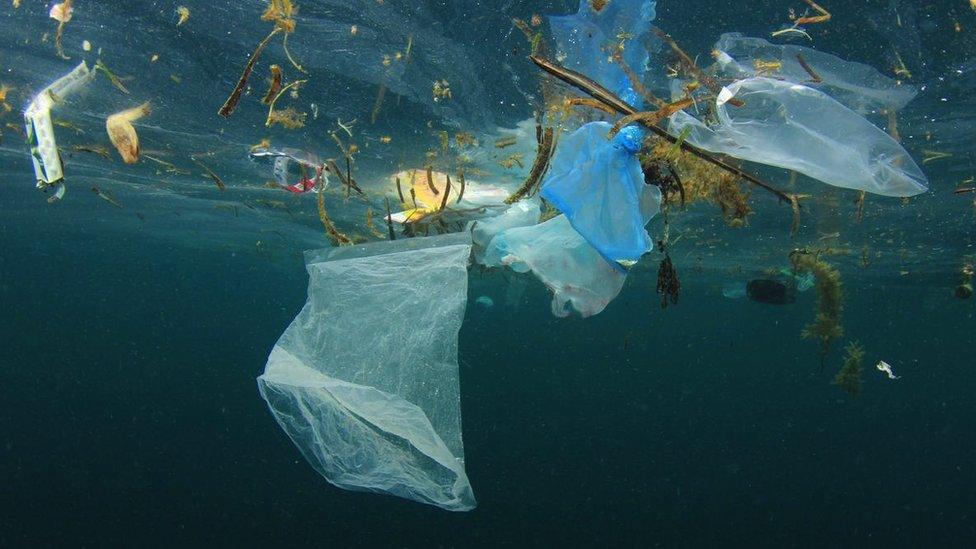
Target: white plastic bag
{"points": [[799, 128], [365, 379]]}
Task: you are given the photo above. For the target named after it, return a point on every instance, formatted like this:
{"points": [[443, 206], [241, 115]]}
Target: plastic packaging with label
{"points": [[40, 130]]}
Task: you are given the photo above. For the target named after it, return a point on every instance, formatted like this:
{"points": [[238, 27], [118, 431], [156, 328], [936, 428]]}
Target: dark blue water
{"points": [[131, 414], [129, 346]]}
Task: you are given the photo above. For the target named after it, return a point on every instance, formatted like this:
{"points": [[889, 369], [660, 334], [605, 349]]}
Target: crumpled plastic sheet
{"points": [[799, 128], [599, 185], [562, 259], [521, 214], [365, 379], [860, 87], [581, 40]]}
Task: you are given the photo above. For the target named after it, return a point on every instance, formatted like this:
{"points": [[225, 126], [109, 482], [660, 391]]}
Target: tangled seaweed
{"points": [[702, 181], [849, 376], [826, 326], [668, 284]]}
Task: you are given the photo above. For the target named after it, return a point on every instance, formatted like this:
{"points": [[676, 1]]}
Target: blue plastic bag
{"points": [[585, 38], [598, 184]]}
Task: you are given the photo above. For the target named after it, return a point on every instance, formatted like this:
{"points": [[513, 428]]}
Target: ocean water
{"points": [[132, 337]]}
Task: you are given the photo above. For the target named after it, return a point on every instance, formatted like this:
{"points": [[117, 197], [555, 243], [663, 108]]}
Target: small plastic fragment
{"points": [[884, 367], [311, 169]]}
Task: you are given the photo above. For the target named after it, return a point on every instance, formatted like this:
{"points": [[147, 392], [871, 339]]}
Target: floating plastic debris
{"points": [[311, 169], [598, 184], [799, 128], [860, 87], [883, 366], [368, 391], [40, 129]]}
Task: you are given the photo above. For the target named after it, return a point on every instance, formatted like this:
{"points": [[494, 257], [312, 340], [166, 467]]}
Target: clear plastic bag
{"points": [[799, 128], [521, 214], [858, 86], [576, 273], [365, 379], [598, 184]]}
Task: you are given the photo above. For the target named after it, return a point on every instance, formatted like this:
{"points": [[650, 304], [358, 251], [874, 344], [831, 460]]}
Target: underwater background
{"points": [[132, 337]]}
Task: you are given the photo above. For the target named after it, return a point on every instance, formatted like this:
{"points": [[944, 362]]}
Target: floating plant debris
{"points": [[106, 197], [100, 150], [183, 13], [849, 376], [668, 283], [826, 327], [213, 176], [123, 135], [503, 142], [61, 12], [547, 146], [274, 86], [823, 16], [115, 80]]}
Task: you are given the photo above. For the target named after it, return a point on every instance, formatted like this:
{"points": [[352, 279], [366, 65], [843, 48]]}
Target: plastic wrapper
{"points": [[598, 184], [309, 167], [860, 87], [582, 39], [40, 129], [562, 259], [365, 379], [799, 128]]}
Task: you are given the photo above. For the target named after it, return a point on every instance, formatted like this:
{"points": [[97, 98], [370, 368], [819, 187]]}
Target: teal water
{"points": [[131, 343]]}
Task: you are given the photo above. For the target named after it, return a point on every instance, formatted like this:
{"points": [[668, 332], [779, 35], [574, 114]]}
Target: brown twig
{"points": [[635, 81], [235, 97], [389, 218], [587, 102], [430, 181], [539, 168], [822, 18], [461, 192], [447, 192], [650, 118], [814, 77]]}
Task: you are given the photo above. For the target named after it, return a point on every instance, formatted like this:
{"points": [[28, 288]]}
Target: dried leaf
{"points": [[123, 135]]}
